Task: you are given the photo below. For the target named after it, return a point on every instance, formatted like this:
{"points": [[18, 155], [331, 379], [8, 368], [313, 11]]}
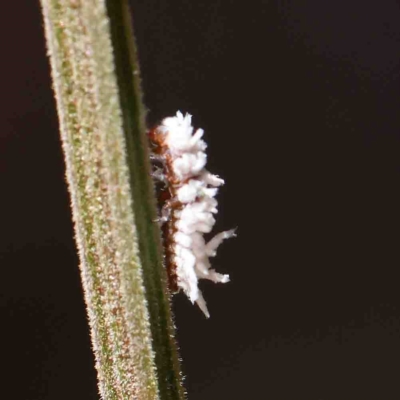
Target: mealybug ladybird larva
{"points": [[188, 205]]}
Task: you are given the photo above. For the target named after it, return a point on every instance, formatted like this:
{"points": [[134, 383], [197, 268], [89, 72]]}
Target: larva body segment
{"points": [[188, 205]]}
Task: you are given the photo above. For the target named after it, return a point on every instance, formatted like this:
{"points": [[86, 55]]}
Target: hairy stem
{"points": [[96, 83]]}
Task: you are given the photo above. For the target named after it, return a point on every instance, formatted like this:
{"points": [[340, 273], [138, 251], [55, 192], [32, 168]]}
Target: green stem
{"points": [[97, 87]]}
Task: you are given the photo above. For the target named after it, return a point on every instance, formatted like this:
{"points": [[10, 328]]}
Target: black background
{"points": [[300, 103]]}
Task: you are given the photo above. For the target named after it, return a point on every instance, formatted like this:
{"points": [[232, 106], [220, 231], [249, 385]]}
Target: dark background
{"points": [[300, 103]]}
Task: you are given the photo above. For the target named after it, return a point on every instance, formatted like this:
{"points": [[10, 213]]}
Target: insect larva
{"points": [[188, 205]]}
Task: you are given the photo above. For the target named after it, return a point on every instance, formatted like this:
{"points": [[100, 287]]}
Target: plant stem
{"points": [[97, 87]]}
